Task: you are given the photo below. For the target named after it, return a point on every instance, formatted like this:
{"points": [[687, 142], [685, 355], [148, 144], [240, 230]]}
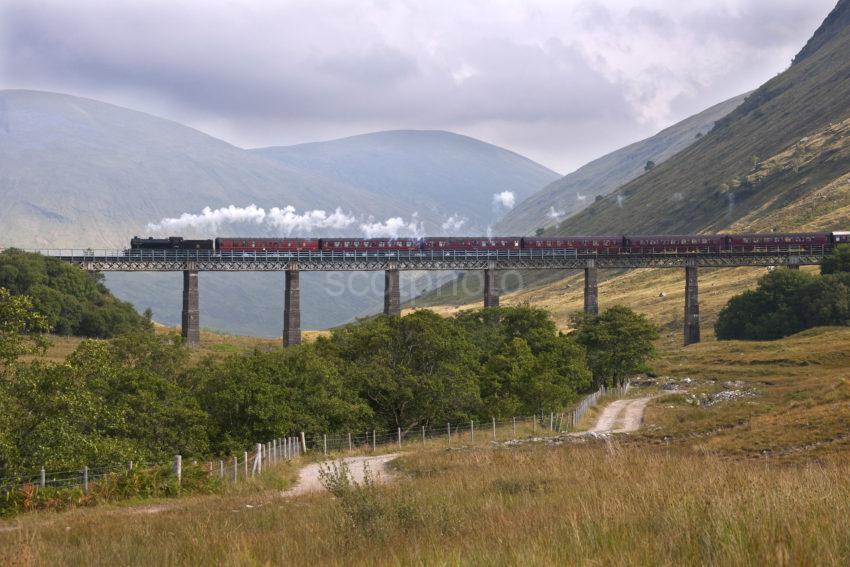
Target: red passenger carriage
{"points": [[355, 244], [675, 244], [266, 244], [778, 242], [472, 243], [582, 244]]}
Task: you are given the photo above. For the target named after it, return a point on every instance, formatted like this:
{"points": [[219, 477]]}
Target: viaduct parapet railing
{"points": [[191, 262]]}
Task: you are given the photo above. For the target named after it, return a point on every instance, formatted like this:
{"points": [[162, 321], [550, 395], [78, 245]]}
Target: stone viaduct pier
{"points": [[493, 264]]}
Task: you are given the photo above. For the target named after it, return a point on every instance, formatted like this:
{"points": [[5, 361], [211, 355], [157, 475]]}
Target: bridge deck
{"points": [[178, 260]]}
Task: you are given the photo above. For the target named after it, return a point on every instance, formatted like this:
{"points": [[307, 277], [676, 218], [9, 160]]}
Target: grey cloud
{"points": [[553, 80]]}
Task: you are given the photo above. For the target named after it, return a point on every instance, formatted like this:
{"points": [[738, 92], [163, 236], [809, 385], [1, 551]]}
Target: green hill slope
{"points": [[786, 142], [575, 191]]}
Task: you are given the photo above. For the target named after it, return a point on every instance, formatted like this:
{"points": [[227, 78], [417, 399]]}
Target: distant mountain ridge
{"points": [[577, 190]]}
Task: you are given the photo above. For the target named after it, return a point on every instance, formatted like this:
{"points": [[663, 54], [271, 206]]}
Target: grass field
{"points": [[590, 505], [758, 477]]}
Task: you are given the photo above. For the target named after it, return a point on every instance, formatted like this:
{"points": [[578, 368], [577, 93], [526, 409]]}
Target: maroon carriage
{"points": [[675, 244], [266, 244], [471, 243], [778, 242], [582, 244], [354, 244]]}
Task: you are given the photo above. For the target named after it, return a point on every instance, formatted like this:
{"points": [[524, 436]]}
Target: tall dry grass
{"points": [[570, 505]]}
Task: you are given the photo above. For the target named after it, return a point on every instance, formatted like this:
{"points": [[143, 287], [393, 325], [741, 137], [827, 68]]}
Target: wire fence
{"points": [[252, 462]]}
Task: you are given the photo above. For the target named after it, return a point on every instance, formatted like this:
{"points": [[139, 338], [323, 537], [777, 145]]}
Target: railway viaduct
{"points": [[492, 263]]}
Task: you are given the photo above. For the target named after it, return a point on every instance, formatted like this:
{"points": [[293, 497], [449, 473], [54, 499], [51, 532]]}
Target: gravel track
{"points": [[627, 414], [309, 478]]}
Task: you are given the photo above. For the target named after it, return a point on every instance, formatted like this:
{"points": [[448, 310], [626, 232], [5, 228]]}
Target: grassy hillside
{"points": [[755, 478], [784, 143], [789, 397], [574, 192]]}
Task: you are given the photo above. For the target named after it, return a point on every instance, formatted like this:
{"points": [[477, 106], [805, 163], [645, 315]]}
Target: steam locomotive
{"points": [[583, 245]]}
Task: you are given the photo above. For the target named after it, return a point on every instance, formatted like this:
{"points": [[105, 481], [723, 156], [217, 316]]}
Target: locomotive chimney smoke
{"points": [[620, 200], [211, 219], [580, 197], [283, 220], [505, 199], [555, 214], [288, 221], [393, 228], [454, 223]]}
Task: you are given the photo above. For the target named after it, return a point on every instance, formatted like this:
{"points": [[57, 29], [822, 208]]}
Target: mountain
{"points": [[572, 193], [82, 173], [438, 174], [78, 172], [780, 161]]}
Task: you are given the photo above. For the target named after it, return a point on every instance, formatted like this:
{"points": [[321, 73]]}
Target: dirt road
{"points": [[309, 481], [621, 416]]}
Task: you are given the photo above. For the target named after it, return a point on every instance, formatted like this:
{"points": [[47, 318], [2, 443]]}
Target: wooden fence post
{"points": [[374, 441], [178, 468], [423, 435], [221, 467], [399, 437], [325, 443], [235, 468], [303, 443], [245, 463], [494, 429], [42, 478], [449, 433], [472, 431], [350, 447], [85, 480], [259, 460], [514, 428]]}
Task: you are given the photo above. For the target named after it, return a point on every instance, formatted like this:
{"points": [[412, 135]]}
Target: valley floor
{"points": [[742, 459]]}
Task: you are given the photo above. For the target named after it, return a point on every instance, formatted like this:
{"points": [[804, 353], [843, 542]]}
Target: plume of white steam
{"points": [[554, 214], [580, 197], [454, 223], [620, 200], [288, 221], [505, 199], [393, 228], [210, 219]]}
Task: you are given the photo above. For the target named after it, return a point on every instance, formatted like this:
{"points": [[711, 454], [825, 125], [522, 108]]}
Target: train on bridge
{"points": [[808, 242]]}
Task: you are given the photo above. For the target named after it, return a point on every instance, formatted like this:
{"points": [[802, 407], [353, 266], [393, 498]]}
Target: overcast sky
{"points": [[561, 82]]}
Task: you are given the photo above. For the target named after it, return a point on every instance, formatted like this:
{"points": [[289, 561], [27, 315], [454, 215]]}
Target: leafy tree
{"points": [[415, 370], [263, 395], [21, 327], [619, 343], [527, 367], [838, 261], [74, 302], [771, 311]]}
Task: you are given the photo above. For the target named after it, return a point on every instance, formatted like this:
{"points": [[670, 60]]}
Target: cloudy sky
{"points": [[559, 81]]}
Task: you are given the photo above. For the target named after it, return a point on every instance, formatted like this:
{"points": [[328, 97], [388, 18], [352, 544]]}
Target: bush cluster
{"points": [[789, 301], [136, 397], [73, 301]]}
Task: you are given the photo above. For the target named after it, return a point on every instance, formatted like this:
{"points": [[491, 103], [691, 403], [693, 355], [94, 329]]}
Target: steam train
{"points": [[583, 245]]}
